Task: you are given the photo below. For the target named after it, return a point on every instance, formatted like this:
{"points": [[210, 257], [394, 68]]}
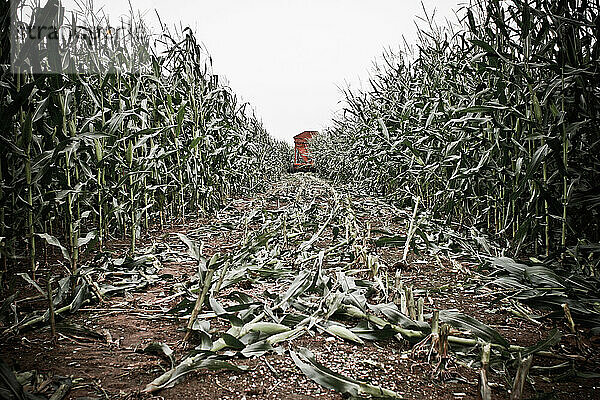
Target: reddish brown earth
{"points": [[115, 368]]}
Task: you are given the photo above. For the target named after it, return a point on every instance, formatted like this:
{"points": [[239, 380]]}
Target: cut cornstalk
{"points": [[410, 300], [411, 229], [522, 372], [569, 318], [222, 275], [484, 386], [199, 302]]}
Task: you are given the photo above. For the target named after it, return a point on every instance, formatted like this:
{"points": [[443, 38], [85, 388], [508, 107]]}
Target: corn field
{"points": [[92, 156], [493, 122], [151, 243]]}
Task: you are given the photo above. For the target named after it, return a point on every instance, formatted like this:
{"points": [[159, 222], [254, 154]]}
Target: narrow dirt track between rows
{"points": [[322, 266]]}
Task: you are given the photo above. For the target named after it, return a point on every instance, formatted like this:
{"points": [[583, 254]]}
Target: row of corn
{"points": [[143, 133], [491, 120]]}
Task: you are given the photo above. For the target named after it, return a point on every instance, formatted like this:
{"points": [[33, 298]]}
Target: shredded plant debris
{"points": [[301, 280]]}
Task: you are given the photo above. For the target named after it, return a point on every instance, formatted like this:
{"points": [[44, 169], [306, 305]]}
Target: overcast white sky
{"points": [[289, 58]]}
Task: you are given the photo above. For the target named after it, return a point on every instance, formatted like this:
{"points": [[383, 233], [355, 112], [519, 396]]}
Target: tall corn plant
{"points": [[142, 133], [493, 121]]}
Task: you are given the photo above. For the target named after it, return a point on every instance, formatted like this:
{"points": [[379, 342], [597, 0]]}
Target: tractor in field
{"points": [[303, 161]]}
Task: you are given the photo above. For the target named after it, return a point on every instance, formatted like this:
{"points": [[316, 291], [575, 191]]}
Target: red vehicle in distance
{"points": [[302, 159]]}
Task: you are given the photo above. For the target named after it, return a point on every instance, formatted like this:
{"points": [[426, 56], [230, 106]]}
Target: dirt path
{"points": [[306, 226]]}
